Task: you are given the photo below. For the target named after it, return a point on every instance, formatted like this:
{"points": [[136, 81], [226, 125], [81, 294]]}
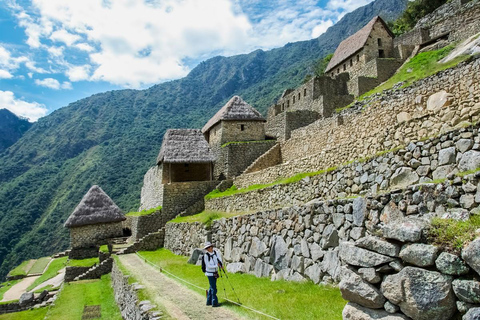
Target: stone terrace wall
{"points": [[143, 225], [127, 300], [388, 120], [183, 238], [179, 196], [302, 242], [96, 234], [423, 161]]}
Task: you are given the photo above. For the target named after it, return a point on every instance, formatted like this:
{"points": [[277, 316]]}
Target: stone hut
{"points": [[185, 156], [95, 219], [235, 121]]}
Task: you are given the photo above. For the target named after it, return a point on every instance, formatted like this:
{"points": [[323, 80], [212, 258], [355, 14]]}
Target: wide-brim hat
{"points": [[208, 244]]}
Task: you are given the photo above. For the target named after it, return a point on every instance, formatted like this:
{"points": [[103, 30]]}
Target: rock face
{"points": [[354, 289], [467, 290], [421, 294], [361, 257], [451, 264], [469, 161], [353, 311], [403, 177], [418, 254], [438, 101], [378, 245], [236, 267], [407, 230], [278, 254], [471, 254]]}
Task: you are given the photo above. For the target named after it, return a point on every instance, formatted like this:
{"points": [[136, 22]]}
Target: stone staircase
{"points": [[97, 270], [151, 241]]}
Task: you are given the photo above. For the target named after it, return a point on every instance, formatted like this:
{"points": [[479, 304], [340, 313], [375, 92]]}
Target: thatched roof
{"points": [[185, 146], [235, 109], [96, 207], [354, 43]]}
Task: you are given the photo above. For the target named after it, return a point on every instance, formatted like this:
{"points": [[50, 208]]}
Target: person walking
{"points": [[210, 263]]}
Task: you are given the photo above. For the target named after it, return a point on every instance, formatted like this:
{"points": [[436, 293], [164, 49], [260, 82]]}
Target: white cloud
{"points": [[4, 74], [78, 73], [84, 47], [346, 5], [53, 84], [56, 51], [65, 37], [321, 28], [30, 110]]}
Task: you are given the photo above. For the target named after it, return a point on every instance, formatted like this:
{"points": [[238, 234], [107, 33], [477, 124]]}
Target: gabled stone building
{"points": [[95, 220]]}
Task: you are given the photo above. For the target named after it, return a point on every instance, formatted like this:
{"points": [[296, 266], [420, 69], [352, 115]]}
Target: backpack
{"points": [[204, 267]]}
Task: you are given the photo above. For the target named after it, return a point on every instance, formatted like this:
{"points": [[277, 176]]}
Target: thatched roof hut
{"points": [[96, 207], [354, 43], [185, 146], [236, 109]]}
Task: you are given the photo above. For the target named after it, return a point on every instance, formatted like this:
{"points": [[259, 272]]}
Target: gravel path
{"points": [[16, 291], [55, 281], [179, 301]]}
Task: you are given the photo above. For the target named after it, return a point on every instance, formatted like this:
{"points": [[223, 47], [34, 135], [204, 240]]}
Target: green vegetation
{"points": [[104, 248], [143, 212], [415, 11], [451, 234], [419, 67], [6, 286], [206, 217], [22, 269], [34, 314], [281, 299], [55, 266], [243, 142], [83, 263], [318, 68], [234, 190], [76, 295], [466, 173], [39, 265]]}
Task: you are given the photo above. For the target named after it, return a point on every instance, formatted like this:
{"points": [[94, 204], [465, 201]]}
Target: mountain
{"points": [[111, 139], [12, 128]]}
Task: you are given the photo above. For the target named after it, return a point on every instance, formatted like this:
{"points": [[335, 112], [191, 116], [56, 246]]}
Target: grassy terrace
{"points": [[144, 212], [74, 296], [451, 234], [421, 66], [22, 269], [39, 265], [281, 299], [37, 314], [206, 217], [55, 266], [83, 263]]}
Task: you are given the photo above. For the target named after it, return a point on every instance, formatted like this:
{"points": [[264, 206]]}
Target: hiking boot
{"points": [[216, 305]]}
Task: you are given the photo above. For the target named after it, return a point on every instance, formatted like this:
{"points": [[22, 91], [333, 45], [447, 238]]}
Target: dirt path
{"points": [[179, 301], [54, 282], [16, 291]]}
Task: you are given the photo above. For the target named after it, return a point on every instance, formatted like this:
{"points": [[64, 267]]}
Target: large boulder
{"points": [[421, 294], [278, 253], [467, 290], [26, 299], [314, 273], [360, 257], [195, 256], [451, 264], [378, 245], [236, 267], [354, 289], [419, 254], [257, 248], [439, 100], [353, 311], [403, 177], [471, 255], [406, 230]]}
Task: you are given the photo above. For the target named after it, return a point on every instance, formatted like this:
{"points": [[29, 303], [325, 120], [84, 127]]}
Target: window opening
{"points": [[242, 127], [381, 53]]}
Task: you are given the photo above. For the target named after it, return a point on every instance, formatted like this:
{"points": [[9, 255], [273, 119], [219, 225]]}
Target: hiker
{"points": [[210, 263]]}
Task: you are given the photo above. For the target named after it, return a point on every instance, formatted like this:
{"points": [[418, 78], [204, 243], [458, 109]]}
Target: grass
{"points": [[421, 66], [206, 217], [243, 142], [281, 299], [22, 269], [75, 295], [6, 286], [451, 234], [234, 190], [104, 248], [34, 314], [83, 263], [39, 265], [55, 266], [466, 173], [143, 212]]}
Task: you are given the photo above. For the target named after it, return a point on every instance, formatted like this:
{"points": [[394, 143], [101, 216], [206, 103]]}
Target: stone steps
{"points": [[151, 241], [97, 270]]}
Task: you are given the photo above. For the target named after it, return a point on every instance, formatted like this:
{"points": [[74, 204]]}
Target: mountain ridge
{"points": [[112, 138]]}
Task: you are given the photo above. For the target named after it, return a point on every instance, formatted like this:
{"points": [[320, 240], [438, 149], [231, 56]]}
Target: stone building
{"points": [[236, 133], [183, 174], [95, 220], [368, 56]]}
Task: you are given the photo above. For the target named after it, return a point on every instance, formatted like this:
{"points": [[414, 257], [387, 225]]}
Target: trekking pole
{"points": [[228, 280], [223, 285]]}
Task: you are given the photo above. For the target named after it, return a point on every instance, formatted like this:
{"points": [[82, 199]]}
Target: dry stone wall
{"points": [[419, 162], [143, 225], [183, 238], [400, 116], [96, 234]]}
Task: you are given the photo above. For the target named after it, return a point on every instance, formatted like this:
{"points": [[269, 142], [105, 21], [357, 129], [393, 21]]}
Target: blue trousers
{"points": [[212, 291]]}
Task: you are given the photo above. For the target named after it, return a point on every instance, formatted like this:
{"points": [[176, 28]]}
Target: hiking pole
{"points": [[223, 285], [228, 280]]}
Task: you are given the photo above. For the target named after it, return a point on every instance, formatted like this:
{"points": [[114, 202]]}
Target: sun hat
{"points": [[208, 244]]}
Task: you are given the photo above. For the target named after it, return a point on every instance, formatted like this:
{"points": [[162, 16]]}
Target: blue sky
{"points": [[53, 52]]}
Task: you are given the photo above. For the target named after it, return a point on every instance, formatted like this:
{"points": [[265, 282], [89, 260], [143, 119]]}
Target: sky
{"points": [[53, 52]]}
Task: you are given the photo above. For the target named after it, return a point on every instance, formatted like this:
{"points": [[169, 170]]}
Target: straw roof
{"points": [[235, 109], [185, 146], [96, 207], [354, 43]]}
